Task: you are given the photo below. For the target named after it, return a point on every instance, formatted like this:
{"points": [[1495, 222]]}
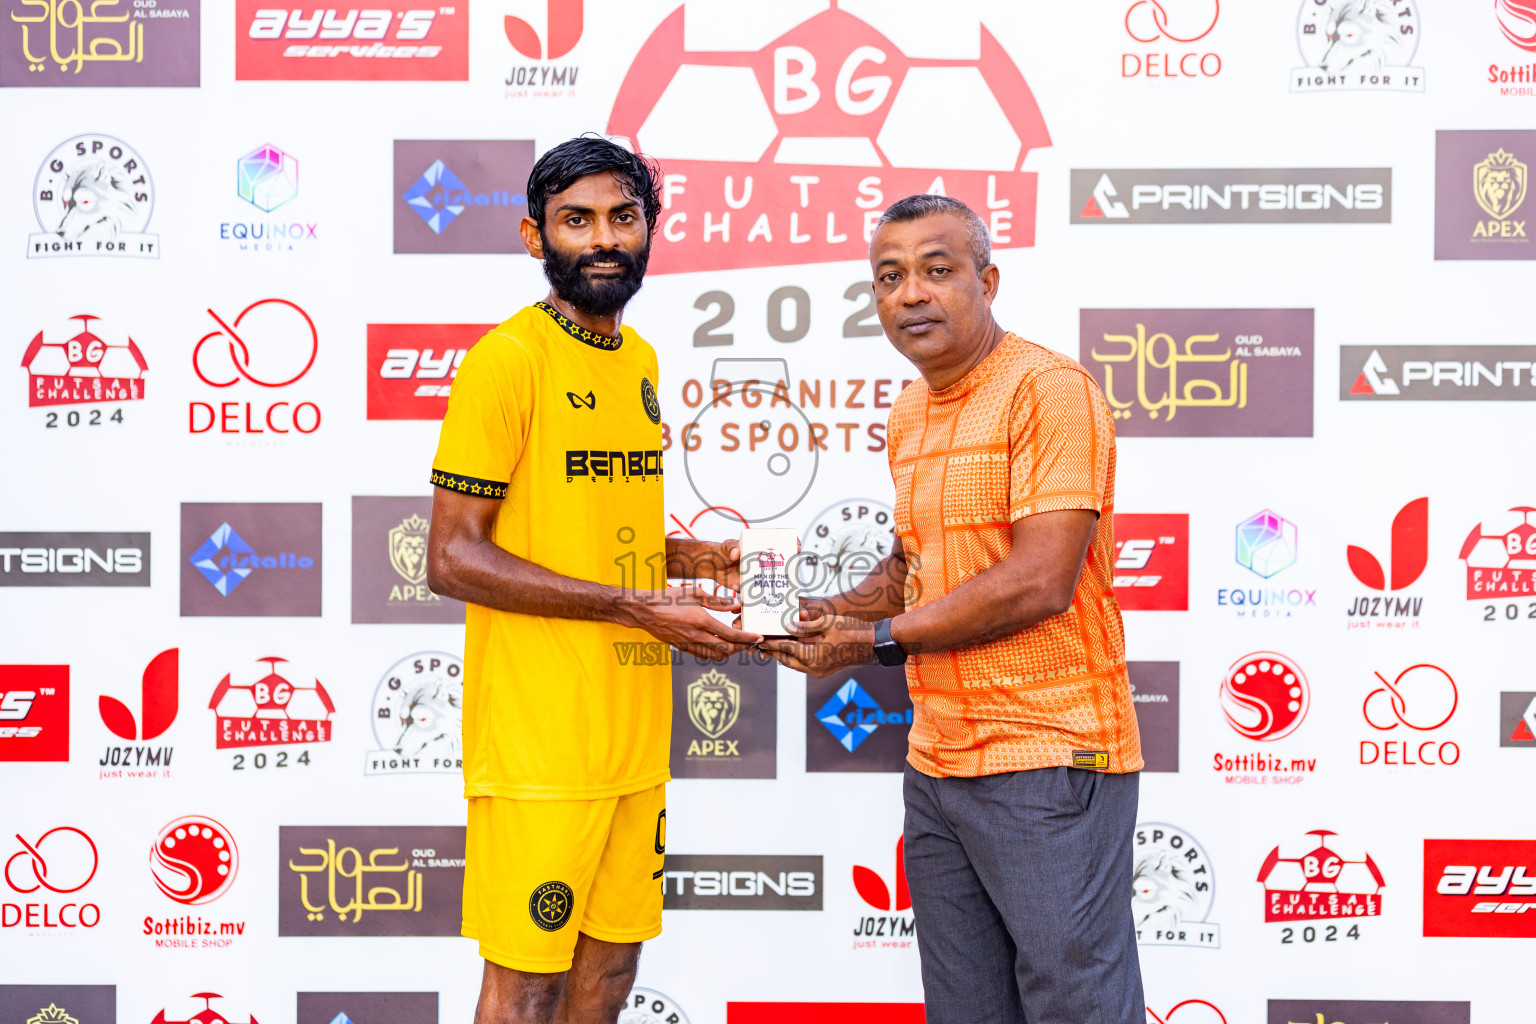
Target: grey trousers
{"points": [[1021, 887]]}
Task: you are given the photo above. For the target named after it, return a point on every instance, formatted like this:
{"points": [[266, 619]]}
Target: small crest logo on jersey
{"points": [[418, 711], [550, 905], [648, 400], [1320, 884], [262, 708], [1173, 888], [93, 197]]}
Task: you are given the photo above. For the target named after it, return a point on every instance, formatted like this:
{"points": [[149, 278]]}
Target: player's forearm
{"points": [[482, 573], [692, 559], [1001, 601], [880, 595]]}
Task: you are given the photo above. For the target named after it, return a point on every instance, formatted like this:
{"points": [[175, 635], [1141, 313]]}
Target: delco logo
{"points": [[1480, 888], [411, 367], [382, 42]]}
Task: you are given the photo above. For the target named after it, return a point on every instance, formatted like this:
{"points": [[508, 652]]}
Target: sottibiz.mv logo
{"points": [[786, 153], [1480, 887], [1152, 562]]}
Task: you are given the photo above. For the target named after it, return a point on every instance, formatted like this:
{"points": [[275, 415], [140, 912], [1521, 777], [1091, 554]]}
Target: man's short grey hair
{"points": [[919, 206]]}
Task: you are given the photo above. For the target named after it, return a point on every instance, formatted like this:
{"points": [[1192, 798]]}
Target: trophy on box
{"points": [[770, 597]]}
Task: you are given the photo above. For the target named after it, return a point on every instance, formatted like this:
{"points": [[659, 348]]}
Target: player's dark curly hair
{"points": [[558, 169]]}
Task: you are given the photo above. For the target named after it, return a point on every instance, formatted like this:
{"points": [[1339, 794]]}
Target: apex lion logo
{"points": [[1499, 183], [714, 703], [97, 203], [408, 549]]}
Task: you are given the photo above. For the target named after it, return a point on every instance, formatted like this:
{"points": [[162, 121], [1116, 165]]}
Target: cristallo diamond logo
{"points": [[857, 720], [268, 177], [852, 715], [438, 197], [225, 559]]}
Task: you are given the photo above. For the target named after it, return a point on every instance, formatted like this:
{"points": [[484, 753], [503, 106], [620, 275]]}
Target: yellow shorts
{"points": [[537, 872]]}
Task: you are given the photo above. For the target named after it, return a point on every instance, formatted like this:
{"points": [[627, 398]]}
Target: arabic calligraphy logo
{"points": [[550, 905], [52, 1014], [1265, 696], [1499, 183], [267, 177], [408, 548], [67, 865], [364, 895], [1409, 552], [1517, 20], [1142, 351], [1427, 691], [269, 331], [714, 702], [1146, 21], [93, 197], [194, 860]]}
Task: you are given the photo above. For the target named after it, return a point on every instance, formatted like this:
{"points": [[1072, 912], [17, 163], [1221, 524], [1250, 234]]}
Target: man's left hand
{"points": [[825, 645]]}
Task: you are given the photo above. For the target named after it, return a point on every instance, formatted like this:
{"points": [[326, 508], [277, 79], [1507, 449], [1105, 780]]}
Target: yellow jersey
{"points": [[564, 426]]}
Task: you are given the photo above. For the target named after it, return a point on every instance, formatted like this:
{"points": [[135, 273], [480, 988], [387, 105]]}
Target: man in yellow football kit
{"points": [[547, 518]]}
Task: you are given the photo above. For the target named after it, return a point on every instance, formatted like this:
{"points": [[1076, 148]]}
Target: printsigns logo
{"points": [[1517, 719], [1149, 22], [1265, 696], [389, 563], [1152, 561], [59, 1004], [387, 880], [1358, 44], [265, 709], [34, 712], [385, 42], [250, 559], [74, 559], [1437, 373], [1320, 884], [857, 720], [84, 370], [1173, 889], [1268, 195], [1480, 888], [1202, 372], [418, 711], [460, 196], [1501, 557], [194, 860], [93, 197], [367, 1008], [741, 882], [1482, 182], [787, 154], [114, 43], [730, 730], [1155, 695], [411, 367]]}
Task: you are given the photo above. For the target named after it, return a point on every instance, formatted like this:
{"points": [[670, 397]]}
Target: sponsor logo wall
{"points": [[250, 252]]}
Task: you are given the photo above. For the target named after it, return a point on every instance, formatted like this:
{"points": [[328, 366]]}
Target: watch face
{"points": [[845, 543]]}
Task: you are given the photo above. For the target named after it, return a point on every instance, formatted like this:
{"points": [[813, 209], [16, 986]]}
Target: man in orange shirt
{"points": [[1021, 783]]}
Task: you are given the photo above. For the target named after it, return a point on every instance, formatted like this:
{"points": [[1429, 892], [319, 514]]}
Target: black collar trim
{"points": [[580, 333]]}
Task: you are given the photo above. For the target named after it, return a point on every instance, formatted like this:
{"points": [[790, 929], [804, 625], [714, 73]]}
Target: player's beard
{"points": [[595, 297]]}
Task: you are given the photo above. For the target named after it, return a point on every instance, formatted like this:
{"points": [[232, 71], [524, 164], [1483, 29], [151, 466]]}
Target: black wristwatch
{"points": [[887, 651]]}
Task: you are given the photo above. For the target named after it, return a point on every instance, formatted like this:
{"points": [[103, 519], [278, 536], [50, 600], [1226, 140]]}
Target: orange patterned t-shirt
{"points": [[1026, 431]]}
